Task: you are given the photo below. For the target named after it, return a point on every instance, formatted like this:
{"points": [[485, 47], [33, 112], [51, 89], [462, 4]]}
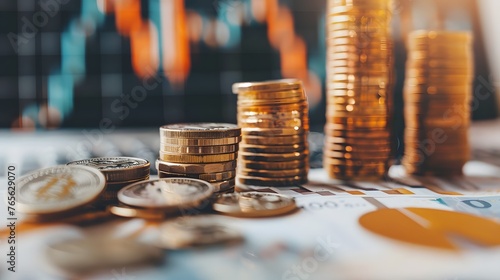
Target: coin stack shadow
{"points": [[437, 93], [207, 152], [274, 121], [359, 88]]}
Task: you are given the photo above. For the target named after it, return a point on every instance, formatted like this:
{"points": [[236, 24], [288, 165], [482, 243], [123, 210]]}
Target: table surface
{"points": [[288, 247]]}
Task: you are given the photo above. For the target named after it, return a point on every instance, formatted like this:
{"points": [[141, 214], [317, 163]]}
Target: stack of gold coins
{"points": [[273, 117], [206, 151], [437, 93], [119, 172], [359, 80]]}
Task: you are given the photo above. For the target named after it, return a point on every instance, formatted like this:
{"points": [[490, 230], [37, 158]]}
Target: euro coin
{"points": [[280, 85], [200, 150], [200, 141], [191, 158]]}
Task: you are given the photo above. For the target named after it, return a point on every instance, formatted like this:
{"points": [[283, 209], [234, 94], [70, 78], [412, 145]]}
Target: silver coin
{"points": [[83, 255], [254, 204], [118, 169], [58, 189], [197, 231], [167, 193]]}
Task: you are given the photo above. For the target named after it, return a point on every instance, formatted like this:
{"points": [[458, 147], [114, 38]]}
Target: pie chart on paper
{"points": [[432, 227]]}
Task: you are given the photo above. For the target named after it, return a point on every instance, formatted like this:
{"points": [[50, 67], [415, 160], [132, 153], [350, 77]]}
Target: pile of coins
{"points": [[437, 93], [273, 117], [206, 151], [119, 172], [359, 83]]}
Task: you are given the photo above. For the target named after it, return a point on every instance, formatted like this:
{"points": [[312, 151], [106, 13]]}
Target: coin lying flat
{"points": [[58, 189], [189, 232], [118, 169], [132, 212], [254, 204], [166, 193], [87, 254], [189, 168], [200, 130]]}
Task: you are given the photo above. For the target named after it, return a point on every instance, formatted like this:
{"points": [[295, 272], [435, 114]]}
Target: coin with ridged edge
{"points": [[166, 193], [58, 189], [195, 168], [254, 204], [117, 169], [200, 130]]}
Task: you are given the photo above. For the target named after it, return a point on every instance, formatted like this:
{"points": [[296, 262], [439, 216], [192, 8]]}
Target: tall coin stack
{"points": [[437, 93], [206, 151], [359, 87], [274, 121]]}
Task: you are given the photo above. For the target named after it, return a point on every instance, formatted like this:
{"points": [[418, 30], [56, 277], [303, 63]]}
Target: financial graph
{"points": [[158, 39]]}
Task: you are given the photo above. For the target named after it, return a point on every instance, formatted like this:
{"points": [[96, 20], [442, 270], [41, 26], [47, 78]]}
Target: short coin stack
{"points": [[437, 93], [273, 117], [205, 151], [359, 80], [119, 172]]}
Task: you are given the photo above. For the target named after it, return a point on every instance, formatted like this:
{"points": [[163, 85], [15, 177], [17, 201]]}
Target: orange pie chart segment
{"points": [[432, 227]]}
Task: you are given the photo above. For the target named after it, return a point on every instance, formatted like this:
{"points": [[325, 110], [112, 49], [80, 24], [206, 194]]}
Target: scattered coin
{"points": [[254, 204], [58, 189]]}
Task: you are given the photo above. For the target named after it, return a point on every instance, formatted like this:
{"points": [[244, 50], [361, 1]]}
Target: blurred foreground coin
{"points": [[189, 232], [85, 255], [58, 189]]}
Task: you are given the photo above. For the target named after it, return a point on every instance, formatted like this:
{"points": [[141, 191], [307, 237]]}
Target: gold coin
{"points": [[200, 130], [442, 35], [273, 102], [224, 185], [300, 106], [271, 95], [283, 115], [271, 132], [183, 168], [439, 89], [274, 85], [133, 212], [357, 141], [199, 150], [264, 165], [274, 182], [273, 149], [357, 148], [439, 64], [374, 155], [209, 177], [200, 141], [186, 158], [356, 162], [277, 123], [254, 204], [274, 157], [275, 140], [273, 173]]}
